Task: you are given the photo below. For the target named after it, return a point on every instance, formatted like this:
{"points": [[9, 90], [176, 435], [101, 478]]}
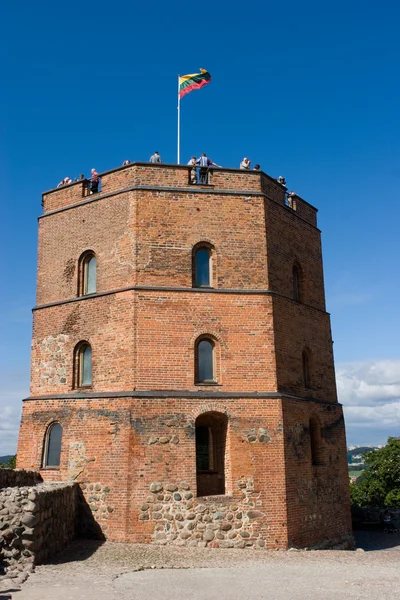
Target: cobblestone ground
{"points": [[89, 571]]}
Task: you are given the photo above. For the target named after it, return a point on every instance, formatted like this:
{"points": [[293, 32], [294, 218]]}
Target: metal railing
{"points": [[199, 175], [290, 200], [88, 189]]}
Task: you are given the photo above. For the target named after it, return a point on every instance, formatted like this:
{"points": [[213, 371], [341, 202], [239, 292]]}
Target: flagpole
{"points": [[179, 126]]}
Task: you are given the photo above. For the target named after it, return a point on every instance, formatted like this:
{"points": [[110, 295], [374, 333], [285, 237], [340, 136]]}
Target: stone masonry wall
{"points": [[18, 477], [213, 521], [35, 523]]}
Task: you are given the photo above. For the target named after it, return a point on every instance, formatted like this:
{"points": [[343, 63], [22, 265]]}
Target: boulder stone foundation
{"points": [[35, 523]]}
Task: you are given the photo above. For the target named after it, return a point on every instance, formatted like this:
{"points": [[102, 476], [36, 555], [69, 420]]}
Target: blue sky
{"points": [[309, 90]]}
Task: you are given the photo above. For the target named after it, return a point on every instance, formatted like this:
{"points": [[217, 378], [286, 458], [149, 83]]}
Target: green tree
{"points": [[12, 462], [380, 483]]}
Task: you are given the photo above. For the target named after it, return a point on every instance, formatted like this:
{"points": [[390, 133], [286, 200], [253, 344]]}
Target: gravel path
{"points": [[89, 571]]}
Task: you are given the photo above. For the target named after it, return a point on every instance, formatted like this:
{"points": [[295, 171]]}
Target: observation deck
{"points": [[169, 177]]}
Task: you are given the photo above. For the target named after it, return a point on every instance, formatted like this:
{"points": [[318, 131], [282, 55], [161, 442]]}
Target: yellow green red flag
{"points": [[194, 81]]}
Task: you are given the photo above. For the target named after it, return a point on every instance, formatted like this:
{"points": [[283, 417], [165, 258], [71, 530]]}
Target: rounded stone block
{"points": [[156, 486], [171, 487]]}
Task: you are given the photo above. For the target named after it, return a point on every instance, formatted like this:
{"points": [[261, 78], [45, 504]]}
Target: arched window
{"points": [[52, 446], [202, 267], [83, 365], [211, 432], [315, 441], [296, 281], [306, 360], [87, 274], [204, 359]]}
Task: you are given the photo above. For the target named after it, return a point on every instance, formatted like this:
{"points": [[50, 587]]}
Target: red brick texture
{"points": [[129, 437]]}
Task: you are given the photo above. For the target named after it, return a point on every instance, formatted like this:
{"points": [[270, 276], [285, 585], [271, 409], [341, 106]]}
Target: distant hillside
{"points": [[5, 459], [357, 451]]}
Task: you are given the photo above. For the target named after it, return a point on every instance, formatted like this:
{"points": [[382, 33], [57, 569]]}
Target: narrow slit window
{"points": [[296, 283], [90, 275], [315, 442], [85, 365], [306, 368]]}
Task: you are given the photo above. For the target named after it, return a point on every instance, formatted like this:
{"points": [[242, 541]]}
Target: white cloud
{"points": [[12, 391], [370, 394]]}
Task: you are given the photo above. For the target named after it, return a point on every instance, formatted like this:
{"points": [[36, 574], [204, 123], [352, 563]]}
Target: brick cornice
{"points": [[149, 288], [195, 395]]}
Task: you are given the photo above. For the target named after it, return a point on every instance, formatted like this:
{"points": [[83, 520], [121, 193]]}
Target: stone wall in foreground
{"points": [[35, 523], [18, 478]]}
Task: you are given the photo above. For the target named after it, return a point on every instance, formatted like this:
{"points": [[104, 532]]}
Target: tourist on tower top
{"points": [[245, 164], [204, 163], [94, 182], [193, 173], [155, 158]]}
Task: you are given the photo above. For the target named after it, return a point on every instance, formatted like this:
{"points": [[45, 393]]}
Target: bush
{"points": [[380, 484]]}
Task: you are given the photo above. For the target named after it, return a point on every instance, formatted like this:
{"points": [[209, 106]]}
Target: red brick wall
{"points": [[291, 240], [146, 340], [106, 322], [146, 238], [297, 327], [106, 227], [123, 445], [317, 495], [143, 340]]}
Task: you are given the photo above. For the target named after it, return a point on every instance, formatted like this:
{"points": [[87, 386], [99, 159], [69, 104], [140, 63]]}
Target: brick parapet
{"points": [[142, 175]]}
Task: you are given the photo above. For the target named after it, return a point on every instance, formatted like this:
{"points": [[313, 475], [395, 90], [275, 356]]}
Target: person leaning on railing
{"points": [[94, 182], [204, 163], [193, 172]]}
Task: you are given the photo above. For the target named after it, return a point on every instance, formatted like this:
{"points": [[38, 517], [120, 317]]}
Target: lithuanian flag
{"points": [[195, 81]]}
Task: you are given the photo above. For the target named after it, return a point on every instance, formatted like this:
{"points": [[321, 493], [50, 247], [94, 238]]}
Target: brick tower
{"points": [[182, 367]]}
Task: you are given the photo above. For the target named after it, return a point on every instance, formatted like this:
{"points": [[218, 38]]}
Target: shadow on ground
{"points": [[372, 538], [79, 550]]}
